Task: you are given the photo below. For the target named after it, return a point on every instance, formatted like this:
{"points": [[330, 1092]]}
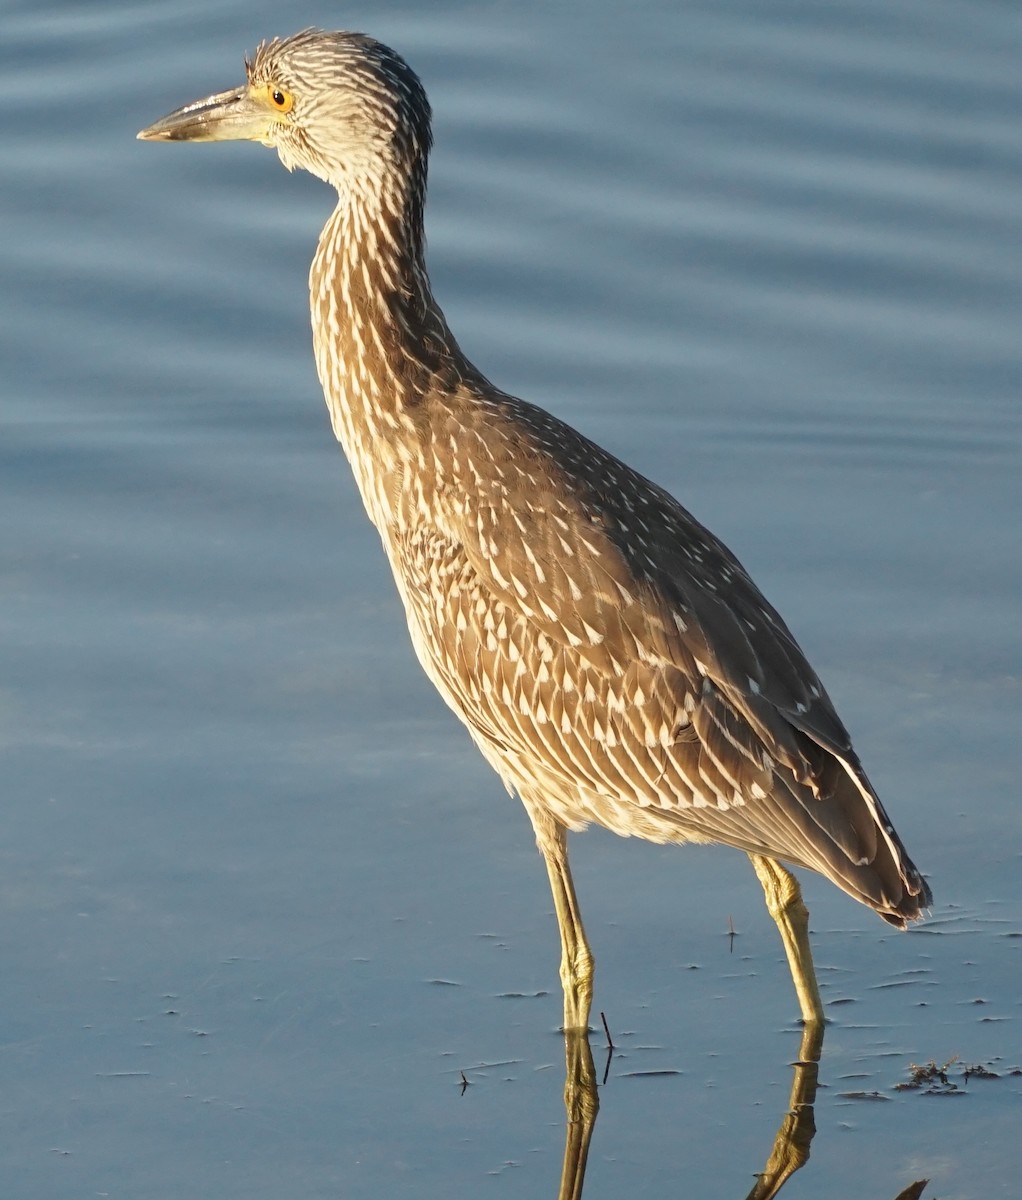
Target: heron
{"points": [[612, 660]]}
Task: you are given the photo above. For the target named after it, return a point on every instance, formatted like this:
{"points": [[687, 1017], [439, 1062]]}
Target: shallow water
{"points": [[262, 903]]}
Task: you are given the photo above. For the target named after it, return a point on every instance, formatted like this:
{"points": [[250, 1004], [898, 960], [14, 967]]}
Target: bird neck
{"points": [[382, 344]]}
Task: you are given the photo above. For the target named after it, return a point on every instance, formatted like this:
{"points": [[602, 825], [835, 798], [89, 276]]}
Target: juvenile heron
{"points": [[612, 659]]}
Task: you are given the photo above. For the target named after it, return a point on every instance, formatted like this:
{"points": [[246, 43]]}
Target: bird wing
{"points": [[601, 642], [619, 572]]}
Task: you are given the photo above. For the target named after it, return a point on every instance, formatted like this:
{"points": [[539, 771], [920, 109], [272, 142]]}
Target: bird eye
{"points": [[282, 101]]}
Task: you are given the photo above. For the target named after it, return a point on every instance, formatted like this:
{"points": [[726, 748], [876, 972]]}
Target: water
{"points": [[262, 903]]}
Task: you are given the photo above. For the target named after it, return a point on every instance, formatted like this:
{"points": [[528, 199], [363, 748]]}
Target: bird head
{"points": [[341, 105]]}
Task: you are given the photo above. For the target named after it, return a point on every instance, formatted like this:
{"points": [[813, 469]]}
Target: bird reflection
{"points": [[790, 1150], [581, 1104], [788, 1154]]}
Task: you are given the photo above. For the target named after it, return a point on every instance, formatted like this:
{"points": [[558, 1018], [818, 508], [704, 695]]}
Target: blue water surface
{"points": [[261, 903]]}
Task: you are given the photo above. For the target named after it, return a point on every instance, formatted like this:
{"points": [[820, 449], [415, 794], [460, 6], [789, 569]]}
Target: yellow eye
{"points": [[281, 100]]}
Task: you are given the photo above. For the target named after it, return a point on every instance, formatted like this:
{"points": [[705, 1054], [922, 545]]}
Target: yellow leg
{"points": [[785, 904], [576, 958]]}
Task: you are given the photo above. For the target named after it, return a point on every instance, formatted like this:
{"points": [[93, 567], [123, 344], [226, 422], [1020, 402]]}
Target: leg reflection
{"points": [[581, 1104], [791, 1145]]}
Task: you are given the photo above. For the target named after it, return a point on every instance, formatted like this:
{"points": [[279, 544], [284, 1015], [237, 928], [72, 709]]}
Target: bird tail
{"points": [[829, 819], [861, 851]]}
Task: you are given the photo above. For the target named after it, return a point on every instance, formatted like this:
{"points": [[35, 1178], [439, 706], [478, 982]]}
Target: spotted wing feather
{"points": [[604, 646]]}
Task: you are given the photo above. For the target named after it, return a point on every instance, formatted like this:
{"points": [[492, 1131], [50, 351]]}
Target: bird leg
{"points": [[577, 962], [785, 904]]}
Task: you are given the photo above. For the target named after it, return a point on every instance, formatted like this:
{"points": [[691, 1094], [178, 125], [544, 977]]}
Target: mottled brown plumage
{"points": [[611, 658]]}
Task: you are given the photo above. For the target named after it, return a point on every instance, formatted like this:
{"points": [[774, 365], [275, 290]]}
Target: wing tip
{"points": [[914, 905]]}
